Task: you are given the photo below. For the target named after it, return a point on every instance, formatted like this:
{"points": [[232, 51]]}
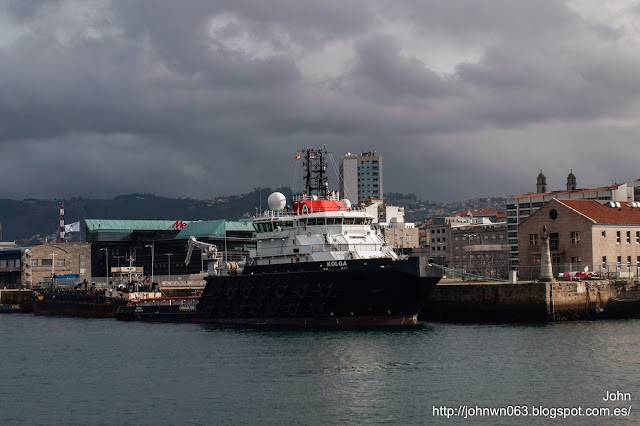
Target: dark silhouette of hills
{"points": [[33, 221]]}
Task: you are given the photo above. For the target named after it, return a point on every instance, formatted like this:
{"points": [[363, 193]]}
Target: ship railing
{"points": [[331, 195], [275, 213]]}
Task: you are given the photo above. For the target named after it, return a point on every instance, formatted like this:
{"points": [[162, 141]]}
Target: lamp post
{"points": [[53, 270], [152, 260], [169, 260], [106, 255], [469, 247]]}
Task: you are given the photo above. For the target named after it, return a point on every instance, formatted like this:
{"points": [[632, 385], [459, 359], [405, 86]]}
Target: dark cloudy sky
{"points": [[204, 98]]}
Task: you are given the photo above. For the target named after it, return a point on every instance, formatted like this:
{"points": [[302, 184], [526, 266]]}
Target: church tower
{"points": [[571, 182], [541, 185]]}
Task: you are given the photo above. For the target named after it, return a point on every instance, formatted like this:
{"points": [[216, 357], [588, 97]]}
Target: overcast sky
{"points": [[204, 98]]}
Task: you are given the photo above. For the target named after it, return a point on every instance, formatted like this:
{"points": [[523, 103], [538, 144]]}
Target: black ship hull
{"points": [[333, 293], [77, 305]]}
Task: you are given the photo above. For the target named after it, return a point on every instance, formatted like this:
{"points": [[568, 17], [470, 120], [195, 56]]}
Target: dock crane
{"points": [[215, 263]]}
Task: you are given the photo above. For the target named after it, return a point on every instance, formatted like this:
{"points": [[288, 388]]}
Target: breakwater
{"points": [[563, 300]]}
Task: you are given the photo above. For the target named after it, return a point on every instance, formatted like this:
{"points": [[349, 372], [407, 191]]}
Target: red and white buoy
{"points": [[61, 239]]}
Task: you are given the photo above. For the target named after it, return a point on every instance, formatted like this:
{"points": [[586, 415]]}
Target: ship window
{"points": [[348, 221], [320, 221]]}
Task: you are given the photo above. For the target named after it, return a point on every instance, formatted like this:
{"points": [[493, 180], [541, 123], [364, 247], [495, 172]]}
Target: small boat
{"points": [[77, 304], [91, 302], [161, 308]]}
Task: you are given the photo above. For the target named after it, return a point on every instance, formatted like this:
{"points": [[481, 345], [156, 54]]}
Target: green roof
{"points": [[213, 228], [121, 230], [128, 225]]}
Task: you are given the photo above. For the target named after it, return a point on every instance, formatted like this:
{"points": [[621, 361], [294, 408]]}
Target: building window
{"points": [[34, 262], [604, 260], [637, 237], [618, 237], [576, 259], [628, 237], [638, 261], [533, 239], [46, 262], [60, 262], [628, 260], [619, 260], [554, 241], [575, 237], [604, 234]]}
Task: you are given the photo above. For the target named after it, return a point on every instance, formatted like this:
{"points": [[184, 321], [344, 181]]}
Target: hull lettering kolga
{"points": [[317, 263]]}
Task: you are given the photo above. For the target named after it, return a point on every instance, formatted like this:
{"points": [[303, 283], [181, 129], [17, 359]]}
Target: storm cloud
{"points": [[205, 98]]}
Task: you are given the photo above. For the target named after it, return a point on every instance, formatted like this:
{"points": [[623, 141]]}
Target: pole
{"points": [[53, 268], [152, 259]]}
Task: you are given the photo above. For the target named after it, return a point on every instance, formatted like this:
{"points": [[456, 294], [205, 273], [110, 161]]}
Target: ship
{"points": [[88, 301], [77, 304], [317, 262]]}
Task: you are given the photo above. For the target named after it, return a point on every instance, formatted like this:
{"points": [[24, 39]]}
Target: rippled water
{"points": [[80, 371]]}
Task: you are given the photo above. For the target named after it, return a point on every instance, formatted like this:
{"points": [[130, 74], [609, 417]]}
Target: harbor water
{"points": [[102, 371]]}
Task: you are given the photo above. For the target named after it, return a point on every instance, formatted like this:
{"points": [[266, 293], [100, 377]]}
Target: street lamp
{"points": [[469, 247], [53, 266], [169, 257], [106, 254], [152, 260]]}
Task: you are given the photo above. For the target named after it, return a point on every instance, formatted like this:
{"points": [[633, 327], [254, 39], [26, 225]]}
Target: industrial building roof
{"points": [[130, 225], [208, 228], [212, 228]]}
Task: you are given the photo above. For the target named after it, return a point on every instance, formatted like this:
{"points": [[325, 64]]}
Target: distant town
{"points": [[487, 237]]}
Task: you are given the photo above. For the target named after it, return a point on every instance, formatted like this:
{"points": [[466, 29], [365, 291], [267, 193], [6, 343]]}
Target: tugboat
{"points": [[317, 263]]}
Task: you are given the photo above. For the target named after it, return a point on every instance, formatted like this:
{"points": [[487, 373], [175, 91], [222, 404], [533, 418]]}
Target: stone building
{"points": [[519, 207], [583, 233], [64, 261]]}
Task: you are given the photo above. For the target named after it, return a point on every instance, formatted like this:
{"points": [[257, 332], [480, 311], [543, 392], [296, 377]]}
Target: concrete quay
{"points": [[17, 297], [534, 301]]}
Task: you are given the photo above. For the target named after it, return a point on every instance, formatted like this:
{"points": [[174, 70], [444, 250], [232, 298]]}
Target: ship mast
{"points": [[315, 172]]}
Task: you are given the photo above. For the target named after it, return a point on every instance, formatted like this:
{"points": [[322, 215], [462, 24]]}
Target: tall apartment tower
{"points": [[361, 177]]}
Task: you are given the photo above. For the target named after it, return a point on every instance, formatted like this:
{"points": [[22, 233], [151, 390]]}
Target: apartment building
{"points": [[361, 177]]}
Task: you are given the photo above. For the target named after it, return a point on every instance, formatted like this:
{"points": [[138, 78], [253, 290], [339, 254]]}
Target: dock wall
{"points": [[17, 297], [489, 302]]}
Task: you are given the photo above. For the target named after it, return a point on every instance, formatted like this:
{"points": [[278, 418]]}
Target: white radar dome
{"points": [[347, 203], [276, 201]]}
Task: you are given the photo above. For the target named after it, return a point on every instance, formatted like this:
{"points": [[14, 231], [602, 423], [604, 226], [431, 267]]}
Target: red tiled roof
{"points": [[490, 211], [577, 191], [602, 213]]}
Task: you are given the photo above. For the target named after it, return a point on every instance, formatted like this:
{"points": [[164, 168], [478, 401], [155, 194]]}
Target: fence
{"points": [[583, 271]]}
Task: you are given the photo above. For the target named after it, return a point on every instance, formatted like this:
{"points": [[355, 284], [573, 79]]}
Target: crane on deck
{"points": [[210, 253]]}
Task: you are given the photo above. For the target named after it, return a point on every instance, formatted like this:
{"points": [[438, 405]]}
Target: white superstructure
{"points": [[316, 231]]}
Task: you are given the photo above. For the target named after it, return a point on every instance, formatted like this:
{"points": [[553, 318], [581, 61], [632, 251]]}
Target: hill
{"points": [[32, 221]]}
